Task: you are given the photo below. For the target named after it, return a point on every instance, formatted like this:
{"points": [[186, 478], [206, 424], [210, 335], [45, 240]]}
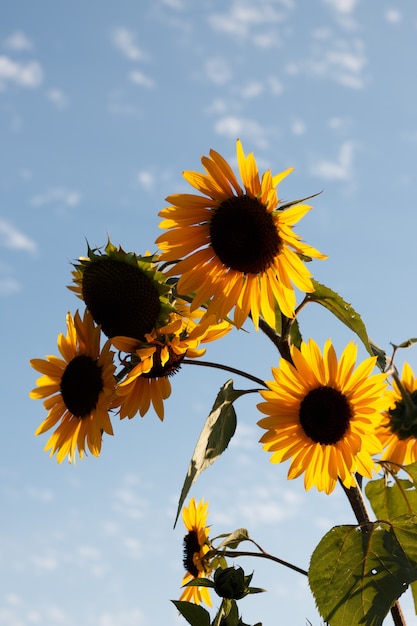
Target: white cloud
{"points": [[122, 618], [252, 89], [18, 41], [244, 17], [393, 16], [28, 74], [298, 127], [235, 127], [275, 85], [343, 61], [140, 78], [58, 98], [125, 41], [146, 179], [14, 239], [218, 71], [342, 6], [9, 286], [340, 169], [57, 195]]}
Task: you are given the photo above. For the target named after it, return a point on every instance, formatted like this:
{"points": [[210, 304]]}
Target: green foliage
{"points": [[391, 499], [232, 540], [217, 432], [347, 315], [195, 614], [357, 573]]}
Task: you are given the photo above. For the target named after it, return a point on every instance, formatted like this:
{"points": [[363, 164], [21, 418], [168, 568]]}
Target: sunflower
{"points": [[196, 547], [399, 429], [324, 414], [239, 247], [153, 362], [78, 390], [124, 293]]}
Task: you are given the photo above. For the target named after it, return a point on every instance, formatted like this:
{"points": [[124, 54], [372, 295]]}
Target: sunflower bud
{"points": [[231, 583]]}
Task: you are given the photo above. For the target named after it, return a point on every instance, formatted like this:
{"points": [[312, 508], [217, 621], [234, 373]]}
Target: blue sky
{"points": [[103, 105]]}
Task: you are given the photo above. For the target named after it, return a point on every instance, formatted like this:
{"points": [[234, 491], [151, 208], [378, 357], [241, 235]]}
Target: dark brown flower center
{"points": [[171, 367], [191, 546], [121, 298], [243, 235], [403, 418], [81, 385], [325, 414]]}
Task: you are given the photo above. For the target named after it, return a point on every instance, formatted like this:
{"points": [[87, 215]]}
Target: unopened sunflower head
{"points": [[126, 294], [234, 246]]}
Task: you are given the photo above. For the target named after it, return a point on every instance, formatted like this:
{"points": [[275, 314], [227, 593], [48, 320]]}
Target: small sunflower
{"points": [[399, 429], [78, 390], [153, 362], [239, 246], [196, 547], [324, 415], [124, 293]]}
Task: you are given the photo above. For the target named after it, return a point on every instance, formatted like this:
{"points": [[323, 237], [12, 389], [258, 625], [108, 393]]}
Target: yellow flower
{"points": [[196, 547], [399, 429], [124, 293], [239, 247], [78, 390], [323, 414], [160, 357]]}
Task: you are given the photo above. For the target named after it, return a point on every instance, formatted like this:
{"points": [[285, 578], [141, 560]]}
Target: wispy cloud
{"points": [[218, 70], [58, 98], [343, 61], [234, 126], [18, 42], [59, 196], [393, 16], [146, 180], [9, 286], [14, 239], [140, 78], [244, 19], [125, 41], [29, 74], [339, 169]]}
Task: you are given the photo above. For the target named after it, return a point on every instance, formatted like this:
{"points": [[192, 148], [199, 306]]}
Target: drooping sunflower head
{"points": [[399, 429], [78, 389], [124, 293], [196, 547], [324, 414], [151, 363], [234, 247]]}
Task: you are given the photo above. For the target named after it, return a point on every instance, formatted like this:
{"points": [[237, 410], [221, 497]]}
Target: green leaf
{"points": [[200, 582], [217, 432], [406, 344], [414, 592], [357, 575], [411, 471], [232, 540], [193, 613], [391, 499], [345, 313]]}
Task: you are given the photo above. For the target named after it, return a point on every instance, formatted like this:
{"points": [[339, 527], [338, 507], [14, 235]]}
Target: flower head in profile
{"points": [[153, 362], [78, 389], [323, 414], [196, 547], [399, 429], [234, 246], [124, 293]]}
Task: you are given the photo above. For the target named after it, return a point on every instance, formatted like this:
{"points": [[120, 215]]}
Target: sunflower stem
{"points": [[280, 341], [262, 555], [227, 368], [357, 502]]}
